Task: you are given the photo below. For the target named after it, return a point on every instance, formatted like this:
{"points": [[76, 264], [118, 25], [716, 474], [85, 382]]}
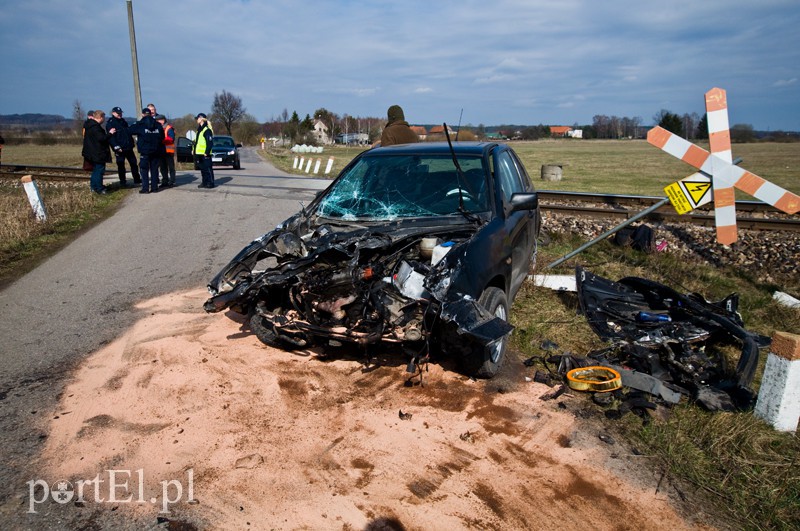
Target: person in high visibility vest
{"points": [[202, 150], [168, 161]]}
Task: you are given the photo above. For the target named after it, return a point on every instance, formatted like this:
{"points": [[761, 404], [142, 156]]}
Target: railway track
{"points": [[753, 215], [44, 173]]}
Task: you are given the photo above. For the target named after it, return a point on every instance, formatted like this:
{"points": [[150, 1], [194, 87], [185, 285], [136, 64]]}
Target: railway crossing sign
{"points": [[717, 174]]}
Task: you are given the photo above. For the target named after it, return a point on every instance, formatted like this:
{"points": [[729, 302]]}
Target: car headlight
{"points": [[232, 152]]}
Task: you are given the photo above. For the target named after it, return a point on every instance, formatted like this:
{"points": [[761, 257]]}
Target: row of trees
{"points": [[229, 115]]}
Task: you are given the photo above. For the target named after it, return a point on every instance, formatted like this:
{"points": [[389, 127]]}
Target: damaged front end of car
{"points": [[335, 283]]}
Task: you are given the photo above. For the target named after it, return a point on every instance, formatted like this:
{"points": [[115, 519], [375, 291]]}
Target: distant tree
{"points": [[602, 126], [307, 124], [742, 133], [466, 135], [702, 128], [228, 109], [247, 130], [78, 114], [689, 125], [669, 121]]}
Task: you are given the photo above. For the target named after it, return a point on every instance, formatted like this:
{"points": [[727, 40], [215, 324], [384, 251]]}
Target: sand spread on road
{"points": [[292, 440]]}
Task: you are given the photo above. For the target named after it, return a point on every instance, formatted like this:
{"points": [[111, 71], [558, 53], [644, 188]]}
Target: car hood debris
{"points": [[671, 337]]}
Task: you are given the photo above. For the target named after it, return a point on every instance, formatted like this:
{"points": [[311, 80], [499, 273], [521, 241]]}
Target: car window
{"points": [[398, 186], [523, 173], [507, 175], [222, 142], [184, 142]]}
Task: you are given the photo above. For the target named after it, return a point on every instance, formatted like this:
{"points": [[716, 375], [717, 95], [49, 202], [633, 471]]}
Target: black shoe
{"points": [[144, 191], [211, 186], [137, 181], [99, 192], [201, 186]]}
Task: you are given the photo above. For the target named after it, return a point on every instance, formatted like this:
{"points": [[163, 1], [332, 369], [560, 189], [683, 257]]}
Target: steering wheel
{"points": [[464, 192]]}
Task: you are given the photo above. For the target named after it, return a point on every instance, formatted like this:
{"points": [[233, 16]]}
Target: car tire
{"points": [[264, 331], [267, 335], [237, 165], [487, 361]]}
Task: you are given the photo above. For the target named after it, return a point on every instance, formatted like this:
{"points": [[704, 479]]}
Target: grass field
{"points": [[611, 166]]}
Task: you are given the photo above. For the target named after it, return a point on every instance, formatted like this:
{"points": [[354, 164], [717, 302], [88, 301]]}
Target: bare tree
{"points": [[228, 109]]}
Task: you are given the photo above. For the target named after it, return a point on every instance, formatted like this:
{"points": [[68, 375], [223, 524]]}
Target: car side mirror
{"points": [[238, 145], [524, 201]]}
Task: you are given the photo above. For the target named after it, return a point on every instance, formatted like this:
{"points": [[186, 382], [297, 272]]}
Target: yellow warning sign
{"points": [[697, 190], [680, 202]]}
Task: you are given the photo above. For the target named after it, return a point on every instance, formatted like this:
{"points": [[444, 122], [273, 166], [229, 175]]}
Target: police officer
{"points": [[122, 144], [202, 150], [150, 143]]}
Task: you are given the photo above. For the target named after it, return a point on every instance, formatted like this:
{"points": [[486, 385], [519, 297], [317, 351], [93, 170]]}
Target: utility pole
{"points": [[137, 90]]}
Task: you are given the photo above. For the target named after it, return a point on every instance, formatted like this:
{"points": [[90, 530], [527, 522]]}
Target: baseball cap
{"points": [[200, 115], [117, 110], [145, 111], [160, 117]]}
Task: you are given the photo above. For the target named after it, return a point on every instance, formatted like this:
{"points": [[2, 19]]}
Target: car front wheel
{"points": [[486, 362]]}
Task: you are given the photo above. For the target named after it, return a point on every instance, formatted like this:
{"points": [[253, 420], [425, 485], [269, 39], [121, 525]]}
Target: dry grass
{"points": [[25, 240]]}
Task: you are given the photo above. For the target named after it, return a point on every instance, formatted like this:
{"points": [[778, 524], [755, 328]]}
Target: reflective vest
{"points": [[169, 143], [200, 145]]}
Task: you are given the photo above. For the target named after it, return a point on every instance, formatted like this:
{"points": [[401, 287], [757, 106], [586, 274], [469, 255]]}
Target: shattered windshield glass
{"points": [[401, 186]]}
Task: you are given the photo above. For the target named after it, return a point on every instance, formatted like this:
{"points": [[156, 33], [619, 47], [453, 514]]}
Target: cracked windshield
{"points": [[402, 186]]}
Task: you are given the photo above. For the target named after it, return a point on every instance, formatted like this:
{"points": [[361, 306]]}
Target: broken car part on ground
{"points": [[665, 343], [420, 244]]}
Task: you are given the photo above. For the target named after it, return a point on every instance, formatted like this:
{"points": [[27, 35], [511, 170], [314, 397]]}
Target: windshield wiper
{"points": [[461, 178]]}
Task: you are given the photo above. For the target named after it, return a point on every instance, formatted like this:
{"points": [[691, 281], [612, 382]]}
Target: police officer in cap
{"points": [[202, 150], [122, 144]]}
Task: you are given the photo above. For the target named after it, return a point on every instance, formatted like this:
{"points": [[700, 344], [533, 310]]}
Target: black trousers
{"points": [[128, 155]]}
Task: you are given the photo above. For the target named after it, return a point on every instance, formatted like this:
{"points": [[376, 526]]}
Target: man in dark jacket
{"points": [[122, 144], [96, 149], [397, 130], [149, 142]]}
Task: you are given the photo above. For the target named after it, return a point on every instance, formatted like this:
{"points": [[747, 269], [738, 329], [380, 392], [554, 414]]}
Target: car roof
{"points": [[434, 148]]}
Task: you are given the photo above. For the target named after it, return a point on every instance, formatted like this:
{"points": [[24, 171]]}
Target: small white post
{"points": [[294, 163], [779, 396], [34, 197], [329, 165], [308, 166], [300, 164], [316, 166]]}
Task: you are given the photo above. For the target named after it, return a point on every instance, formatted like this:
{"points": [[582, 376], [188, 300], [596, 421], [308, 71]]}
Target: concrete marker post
{"points": [[308, 165], [329, 166], [316, 166], [34, 197], [779, 396], [294, 163]]}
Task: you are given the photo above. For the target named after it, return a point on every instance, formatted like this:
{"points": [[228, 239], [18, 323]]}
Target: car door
{"points": [[520, 225]]}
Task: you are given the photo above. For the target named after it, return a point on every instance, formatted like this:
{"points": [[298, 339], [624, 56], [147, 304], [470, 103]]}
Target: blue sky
{"points": [[503, 61]]}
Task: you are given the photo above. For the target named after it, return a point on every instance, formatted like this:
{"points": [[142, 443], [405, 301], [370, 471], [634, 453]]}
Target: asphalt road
{"points": [[84, 296]]}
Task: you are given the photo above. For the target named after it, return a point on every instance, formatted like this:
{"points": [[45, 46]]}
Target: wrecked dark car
{"points": [[423, 244]]}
